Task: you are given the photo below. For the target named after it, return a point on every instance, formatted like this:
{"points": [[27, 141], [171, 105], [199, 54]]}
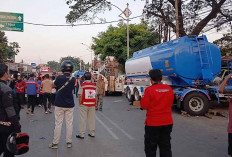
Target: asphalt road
{"points": [[120, 133]]}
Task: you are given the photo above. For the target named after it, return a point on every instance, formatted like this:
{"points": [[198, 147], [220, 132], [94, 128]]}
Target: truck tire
{"points": [[196, 104], [130, 97], [136, 95]]}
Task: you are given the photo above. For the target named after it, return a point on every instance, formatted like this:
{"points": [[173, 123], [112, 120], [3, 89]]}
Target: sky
{"points": [[41, 44]]}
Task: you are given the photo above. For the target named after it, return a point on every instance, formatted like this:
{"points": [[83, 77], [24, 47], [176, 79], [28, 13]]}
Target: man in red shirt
{"points": [[158, 100], [222, 90], [20, 87]]}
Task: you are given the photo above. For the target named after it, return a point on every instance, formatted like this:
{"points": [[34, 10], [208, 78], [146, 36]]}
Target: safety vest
{"points": [[89, 94]]}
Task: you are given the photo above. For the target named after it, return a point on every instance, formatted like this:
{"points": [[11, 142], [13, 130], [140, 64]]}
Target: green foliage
{"points": [[7, 50], [54, 65], [85, 10], [3, 45], [225, 44], [113, 42], [195, 16], [74, 60], [12, 49]]}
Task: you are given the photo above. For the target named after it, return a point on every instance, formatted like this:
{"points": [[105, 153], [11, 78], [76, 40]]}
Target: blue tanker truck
{"points": [[189, 64]]}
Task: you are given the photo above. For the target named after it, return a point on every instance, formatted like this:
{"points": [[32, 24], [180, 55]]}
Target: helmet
{"points": [[67, 66], [17, 144]]}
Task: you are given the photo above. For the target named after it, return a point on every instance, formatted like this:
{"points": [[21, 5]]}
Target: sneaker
{"points": [[69, 145], [78, 136], [28, 111], [46, 112], [100, 109], [49, 111], [91, 135], [40, 105], [32, 113], [53, 146]]}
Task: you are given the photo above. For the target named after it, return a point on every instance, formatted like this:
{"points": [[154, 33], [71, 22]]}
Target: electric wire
{"points": [[74, 25]]}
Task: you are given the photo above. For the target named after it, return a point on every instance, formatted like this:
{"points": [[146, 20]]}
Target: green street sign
{"points": [[11, 21]]}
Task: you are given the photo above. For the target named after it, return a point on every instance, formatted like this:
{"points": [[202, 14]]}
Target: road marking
{"points": [[118, 101], [107, 128], [117, 126]]}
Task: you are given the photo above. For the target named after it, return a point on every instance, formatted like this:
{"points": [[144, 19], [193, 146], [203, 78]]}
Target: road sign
{"points": [[33, 65], [11, 21]]}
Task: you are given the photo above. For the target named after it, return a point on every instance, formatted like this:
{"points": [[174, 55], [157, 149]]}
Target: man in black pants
{"points": [[9, 121], [47, 86], [32, 91], [158, 100]]}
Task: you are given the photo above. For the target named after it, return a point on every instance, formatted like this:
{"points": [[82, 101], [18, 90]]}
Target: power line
{"points": [[74, 25]]}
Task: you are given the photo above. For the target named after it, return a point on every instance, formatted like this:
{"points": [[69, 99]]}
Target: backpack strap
{"points": [[66, 83]]}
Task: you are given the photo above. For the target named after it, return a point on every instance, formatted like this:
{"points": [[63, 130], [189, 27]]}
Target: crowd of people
{"points": [[49, 91]]}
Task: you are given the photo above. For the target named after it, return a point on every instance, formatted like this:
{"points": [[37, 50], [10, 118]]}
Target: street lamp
{"points": [[90, 52], [127, 13]]}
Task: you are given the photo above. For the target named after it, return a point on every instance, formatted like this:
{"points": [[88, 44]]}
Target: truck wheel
{"points": [[136, 94], [130, 97], [196, 104]]}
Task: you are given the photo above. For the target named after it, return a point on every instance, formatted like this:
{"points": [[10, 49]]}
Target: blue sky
{"points": [[41, 44]]}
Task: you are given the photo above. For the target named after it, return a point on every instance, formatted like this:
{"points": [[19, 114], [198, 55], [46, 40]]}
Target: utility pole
{"points": [[80, 64], [127, 14], [177, 19], [128, 36]]}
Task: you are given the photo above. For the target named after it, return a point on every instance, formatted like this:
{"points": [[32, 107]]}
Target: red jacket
{"points": [[20, 86], [89, 94], [158, 100]]}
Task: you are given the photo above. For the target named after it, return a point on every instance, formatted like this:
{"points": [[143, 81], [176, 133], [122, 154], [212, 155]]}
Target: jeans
{"points": [[31, 102], [5, 131], [158, 136], [20, 97], [53, 96], [47, 97]]}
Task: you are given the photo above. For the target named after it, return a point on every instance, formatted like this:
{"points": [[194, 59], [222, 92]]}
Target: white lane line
{"points": [[107, 128], [117, 126]]}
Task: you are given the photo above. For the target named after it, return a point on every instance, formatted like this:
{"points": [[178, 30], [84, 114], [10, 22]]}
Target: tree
{"points": [[225, 44], [54, 65], [194, 16], [12, 49], [112, 42], [74, 60], [3, 45], [7, 50]]}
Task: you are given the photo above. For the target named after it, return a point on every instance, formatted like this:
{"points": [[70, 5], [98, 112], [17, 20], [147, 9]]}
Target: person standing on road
{"points": [[77, 85], [222, 90], [87, 100], [9, 121], [39, 100], [32, 92], [47, 86], [64, 104], [20, 87], [53, 91], [158, 100], [100, 92]]}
